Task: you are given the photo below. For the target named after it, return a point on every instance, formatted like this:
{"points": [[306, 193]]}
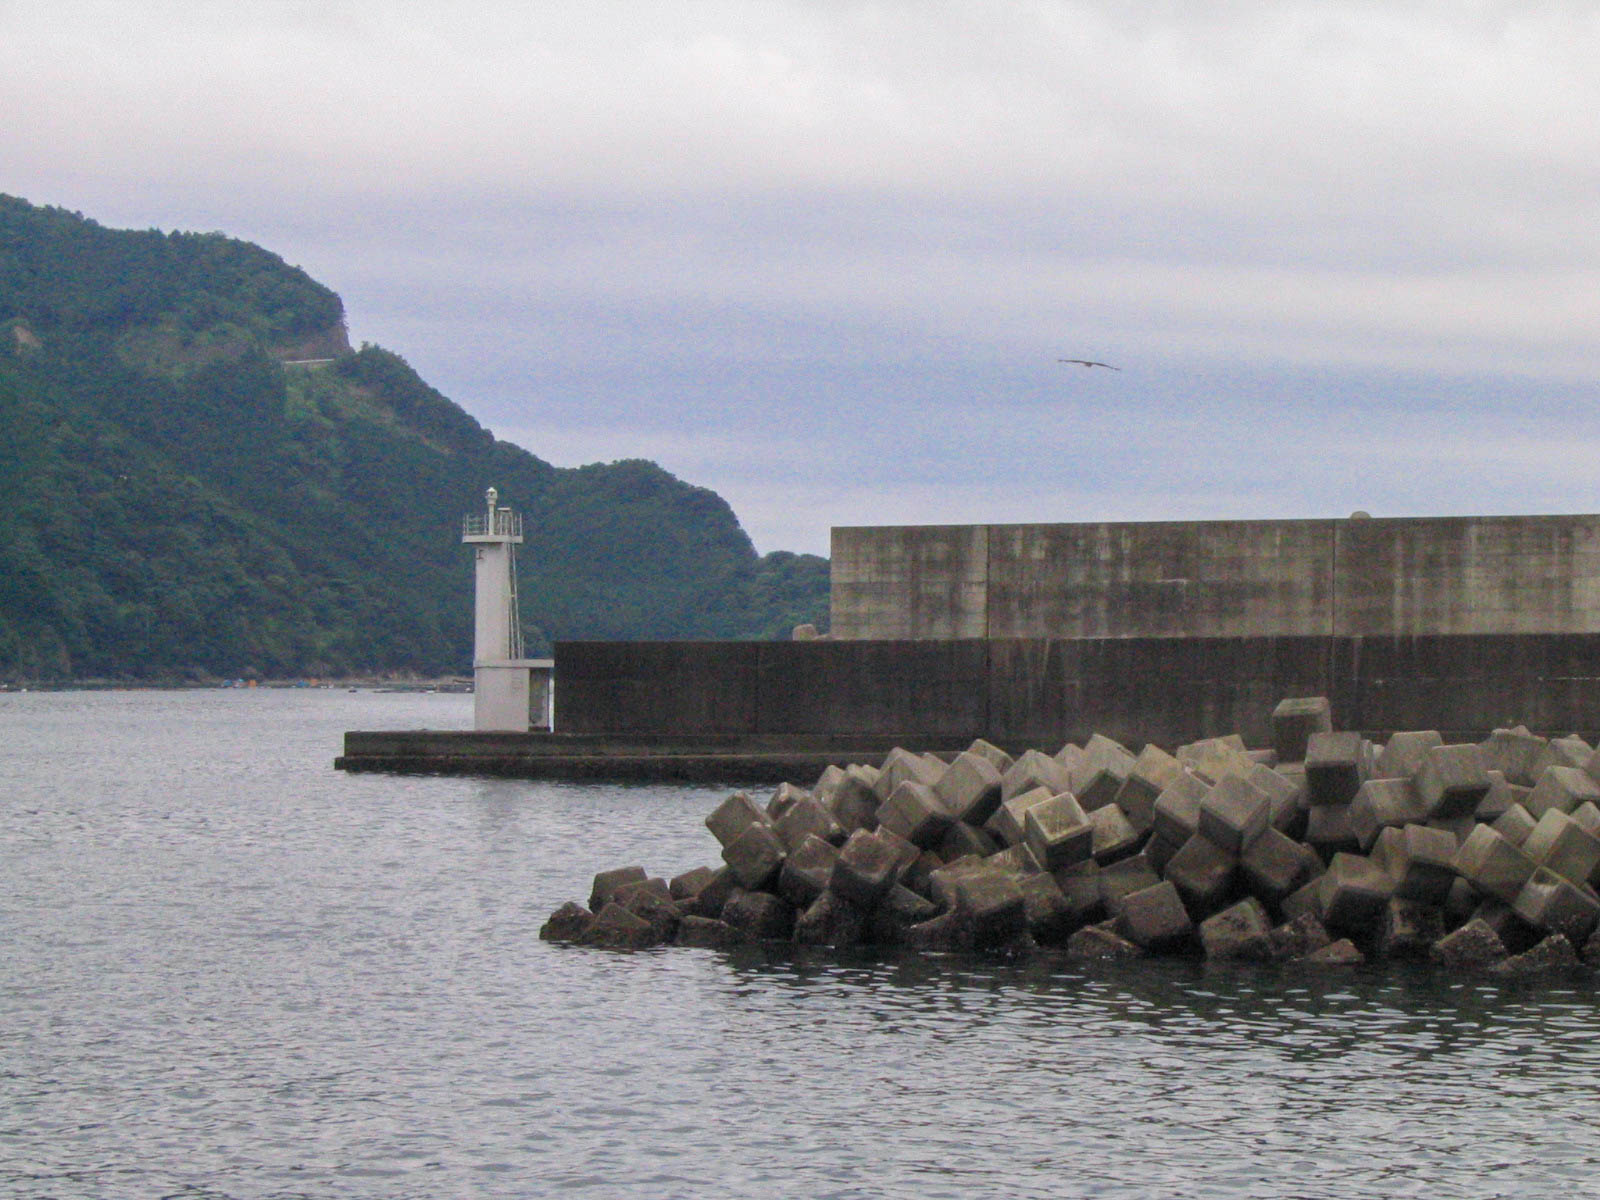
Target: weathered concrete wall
{"points": [[1372, 577], [1037, 691], [927, 581]]}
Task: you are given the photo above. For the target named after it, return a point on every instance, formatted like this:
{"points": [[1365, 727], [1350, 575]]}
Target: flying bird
{"points": [[1084, 362]]}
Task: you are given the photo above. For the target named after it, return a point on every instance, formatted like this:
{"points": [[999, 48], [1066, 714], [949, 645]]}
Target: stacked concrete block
{"points": [[1233, 813], [1006, 824], [1554, 904], [1404, 753], [1453, 780], [1493, 865], [1100, 774], [970, 788], [1035, 769], [1293, 723], [1176, 815], [1333, 767], [1559, 843], [733, 816], [1058, 832], [1153, 771], [915, 812], [1381, 803], [1563, 788], [1466, 853], [1517, 754]]}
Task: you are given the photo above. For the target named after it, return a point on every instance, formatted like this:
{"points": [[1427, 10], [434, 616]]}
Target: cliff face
{"points": [[182, 498]]}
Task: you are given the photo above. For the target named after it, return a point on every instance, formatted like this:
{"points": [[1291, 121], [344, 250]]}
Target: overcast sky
{"points": [[822, 257]]}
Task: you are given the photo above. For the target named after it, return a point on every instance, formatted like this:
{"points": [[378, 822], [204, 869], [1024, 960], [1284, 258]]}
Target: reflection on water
{"points": [[232, 972]]}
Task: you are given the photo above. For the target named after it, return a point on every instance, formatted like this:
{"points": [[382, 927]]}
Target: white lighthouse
{"points": [[510, 692]]}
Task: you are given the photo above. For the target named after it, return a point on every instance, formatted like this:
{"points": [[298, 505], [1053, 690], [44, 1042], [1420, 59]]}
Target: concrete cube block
{"points": [[1299, 938], [607, 882], [854, 802], [1006, 824], [942, 882], [1155, 918], [1100, 775], [1305, 900], [1453, 780], [1410, 929], [1240, 931], [567, 924], [1176, 816], [806, 872], [1587, 817], [1559, 843], [1294, 721], [1001, 760], [1555, 953], [1500, 796], [784, 798], [615, 928], [1051, 917], [1471, 947], [1214, 758], [1070, 757], [868, 866], [1515, 824], [1515, 934], [1563, 788], [689, 884], [901, 765], [889, 923], [1569, 751], [759, 917], [915, 812], [1514, 753], [1328, 830], [1419, 860], [991, 908], [1404, 753], [970, 788], [962, 839], [1233, 813], [1333, 767], [755, 856], [1152, 771], [1121, 879], [1058, 832], [708, 901], [627, 894], [733, 816], [1342, 953], [1099, 942], [1382, 803], [1203, 873], [830, 920], [1019, 860], [1493, 865], [1556, 905], [1114, 835], [705, 933], [1034, 769], [1159, 851], [806, 817], [1079, 885], [823, 789], [652, 904], [1355, 892], [1273, 866]]}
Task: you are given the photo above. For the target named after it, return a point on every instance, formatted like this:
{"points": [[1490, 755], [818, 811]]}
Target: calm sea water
{"points": [[227, 970]]}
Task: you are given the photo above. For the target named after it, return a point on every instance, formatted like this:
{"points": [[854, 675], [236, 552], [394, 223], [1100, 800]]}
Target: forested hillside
{"points": [[177, 499]]}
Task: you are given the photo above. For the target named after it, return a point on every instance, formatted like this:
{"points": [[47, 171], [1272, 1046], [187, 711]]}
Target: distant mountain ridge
{"points": [[175, 500]]}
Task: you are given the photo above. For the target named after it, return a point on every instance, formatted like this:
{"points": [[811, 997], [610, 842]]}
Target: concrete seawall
{"points": [[1323, 578]]}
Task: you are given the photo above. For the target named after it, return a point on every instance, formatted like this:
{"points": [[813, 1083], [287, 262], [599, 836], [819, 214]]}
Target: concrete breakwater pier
{"points": [[1325, 847]]}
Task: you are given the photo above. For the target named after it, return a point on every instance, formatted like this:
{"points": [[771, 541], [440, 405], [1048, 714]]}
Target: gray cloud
{"points": [[822, 257]]}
